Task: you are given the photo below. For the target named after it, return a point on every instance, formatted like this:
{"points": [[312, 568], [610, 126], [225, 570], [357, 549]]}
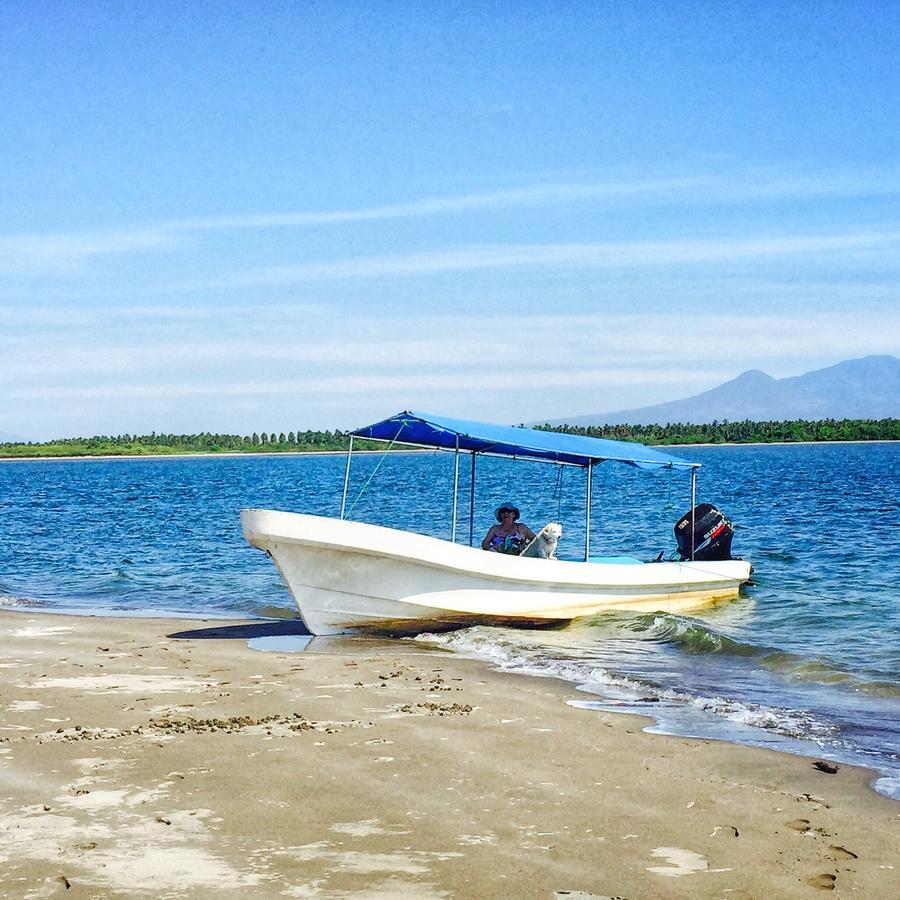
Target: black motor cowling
{"points": [[712, 534]]}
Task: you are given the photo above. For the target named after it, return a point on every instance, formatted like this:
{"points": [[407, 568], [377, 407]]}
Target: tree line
{"points": [[746, 432], [206, 442]]}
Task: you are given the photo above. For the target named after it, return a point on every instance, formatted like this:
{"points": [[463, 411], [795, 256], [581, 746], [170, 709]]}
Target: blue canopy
{"points": [[427, 430]]}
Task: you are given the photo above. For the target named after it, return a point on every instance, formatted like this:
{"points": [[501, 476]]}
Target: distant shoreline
{"points": [[206, 455], [254, 454]]}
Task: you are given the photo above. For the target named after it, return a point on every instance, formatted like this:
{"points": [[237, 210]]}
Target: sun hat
{"points": [[510, 506]]}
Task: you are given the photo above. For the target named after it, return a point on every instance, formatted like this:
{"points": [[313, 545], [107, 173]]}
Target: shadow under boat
{"points": [[245, 631], [294, 628]]}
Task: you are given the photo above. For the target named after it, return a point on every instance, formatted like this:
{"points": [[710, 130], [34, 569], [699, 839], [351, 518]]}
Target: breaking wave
{"points": [[648, 664], [694, 637], [690, 635]]}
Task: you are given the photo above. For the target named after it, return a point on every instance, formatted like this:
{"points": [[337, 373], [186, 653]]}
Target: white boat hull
{"points": [[349, 576]]}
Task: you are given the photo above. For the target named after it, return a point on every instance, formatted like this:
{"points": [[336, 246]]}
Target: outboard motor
{"points": [[711, 536]]}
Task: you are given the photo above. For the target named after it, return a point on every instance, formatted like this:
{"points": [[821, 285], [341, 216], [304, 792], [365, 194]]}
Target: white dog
{"points": [[545, 541]]}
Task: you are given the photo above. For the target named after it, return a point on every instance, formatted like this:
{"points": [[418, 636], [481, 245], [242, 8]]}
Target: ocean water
{"points": [[806, 660]]}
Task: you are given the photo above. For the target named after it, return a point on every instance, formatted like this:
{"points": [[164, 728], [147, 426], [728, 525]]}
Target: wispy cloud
{"points": [[65, 252], [432, 350], [60, 309], [405, 383], [690, 189], [528, 196], [49, 252], [26, 252], [648, 254], [87, 312]]}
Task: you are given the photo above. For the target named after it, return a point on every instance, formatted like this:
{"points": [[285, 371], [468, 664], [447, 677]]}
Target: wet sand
{"points": [[169, 759]]}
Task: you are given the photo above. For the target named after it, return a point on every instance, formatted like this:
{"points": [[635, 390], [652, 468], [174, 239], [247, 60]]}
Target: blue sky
{"points": [[244, 217]]}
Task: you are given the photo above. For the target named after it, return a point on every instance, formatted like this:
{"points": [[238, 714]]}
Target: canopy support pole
{"points": [[346, 477], [472, 503], [455, 489], [587, 512], [693, 507]]}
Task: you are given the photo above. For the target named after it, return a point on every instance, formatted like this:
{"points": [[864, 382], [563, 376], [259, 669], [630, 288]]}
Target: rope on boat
{"points": [[558, 491], [377, 467]]}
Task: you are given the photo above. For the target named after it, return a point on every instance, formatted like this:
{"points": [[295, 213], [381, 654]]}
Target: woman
{"points": [[510, 536]]}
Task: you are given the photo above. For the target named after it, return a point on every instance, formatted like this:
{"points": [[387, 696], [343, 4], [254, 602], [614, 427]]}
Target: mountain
{"points": [[867, 388]]}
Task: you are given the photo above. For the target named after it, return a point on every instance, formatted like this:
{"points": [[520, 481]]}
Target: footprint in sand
{"points": [[843, 852], [824, 882], [804, 827]]}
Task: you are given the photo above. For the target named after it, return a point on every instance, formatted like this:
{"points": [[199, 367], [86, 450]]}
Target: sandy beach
{"points": [[167, 758]]}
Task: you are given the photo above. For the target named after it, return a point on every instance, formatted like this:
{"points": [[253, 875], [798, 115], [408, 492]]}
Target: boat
{"points": [[348, 576]]}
